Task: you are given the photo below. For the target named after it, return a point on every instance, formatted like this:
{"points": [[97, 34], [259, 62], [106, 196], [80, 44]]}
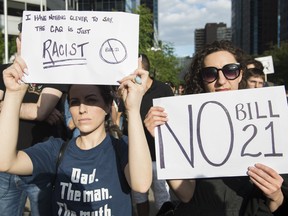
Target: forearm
{"points": [[276, 203], [140, 163], [183, 188], [9, 124], [28, 111], [46, 103]]}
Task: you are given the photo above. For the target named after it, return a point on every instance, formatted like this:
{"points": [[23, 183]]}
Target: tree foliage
{"points": [[11, 46], [162, 59], [280, 57], [145, 28], [2, 47], [164, 63]]}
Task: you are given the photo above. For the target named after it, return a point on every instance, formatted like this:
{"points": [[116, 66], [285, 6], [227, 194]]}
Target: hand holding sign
{"points": [[130, 89], [155, 117], [13, 76]]}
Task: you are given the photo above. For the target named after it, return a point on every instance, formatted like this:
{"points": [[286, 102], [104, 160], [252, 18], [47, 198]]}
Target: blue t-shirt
{"points": [[89, 182]]}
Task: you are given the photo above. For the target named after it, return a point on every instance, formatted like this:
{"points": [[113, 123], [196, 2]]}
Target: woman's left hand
{"points": [[270, 182], [132, 91]]}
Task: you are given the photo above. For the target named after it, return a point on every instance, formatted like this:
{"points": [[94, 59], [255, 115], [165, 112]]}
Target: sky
{"points": [[177, 20]]}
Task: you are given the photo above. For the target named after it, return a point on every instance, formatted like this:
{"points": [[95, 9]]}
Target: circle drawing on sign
{"points": [[113, 51]]}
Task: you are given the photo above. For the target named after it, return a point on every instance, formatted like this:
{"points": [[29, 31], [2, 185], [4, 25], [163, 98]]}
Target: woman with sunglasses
{"points": [[218, 68]]}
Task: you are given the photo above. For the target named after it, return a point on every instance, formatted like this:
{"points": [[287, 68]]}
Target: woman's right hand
{"points": [[13, 76], [155, 117]]}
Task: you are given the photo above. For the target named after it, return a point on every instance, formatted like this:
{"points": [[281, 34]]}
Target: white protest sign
{"points": [[222, 134], [80, 47], [267, 62]]}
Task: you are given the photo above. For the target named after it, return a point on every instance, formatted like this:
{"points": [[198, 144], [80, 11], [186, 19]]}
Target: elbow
{"points": [[4, 167], [185, 199], [41, 117], [141, 188]]}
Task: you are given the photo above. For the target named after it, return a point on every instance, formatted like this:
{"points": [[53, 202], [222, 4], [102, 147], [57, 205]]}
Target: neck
{"points": [[89, 141], [149, 83]]}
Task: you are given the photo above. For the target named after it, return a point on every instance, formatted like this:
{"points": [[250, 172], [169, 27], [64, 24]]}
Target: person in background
{"points": [[72, 131], [40, 118], [154, 89], [172, 86], [253, 75], [181, 89], [263, 191], [78, 188], [254, 78], [253, 63]]}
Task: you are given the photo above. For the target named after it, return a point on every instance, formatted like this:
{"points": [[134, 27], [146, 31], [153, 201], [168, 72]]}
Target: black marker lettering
{"points": [[28, 17]]}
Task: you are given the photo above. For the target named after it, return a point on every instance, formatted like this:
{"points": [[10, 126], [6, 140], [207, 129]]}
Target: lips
{"points": [[225, 89], [83, 120]]}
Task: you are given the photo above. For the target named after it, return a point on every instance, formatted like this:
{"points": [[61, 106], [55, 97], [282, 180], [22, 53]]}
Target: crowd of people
{"points": [[65, 147]]}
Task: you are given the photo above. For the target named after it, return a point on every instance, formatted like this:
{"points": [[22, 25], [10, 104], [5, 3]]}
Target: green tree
{"points": [[280, 56], [145, 28], [164, 63], [11, 46], [162, 59], [2, 47]]}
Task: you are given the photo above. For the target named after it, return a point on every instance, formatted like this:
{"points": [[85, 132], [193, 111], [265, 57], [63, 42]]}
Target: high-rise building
{"points": [[254, 24], [199, 38], [153, 6], [212, 32], [283, 16]]}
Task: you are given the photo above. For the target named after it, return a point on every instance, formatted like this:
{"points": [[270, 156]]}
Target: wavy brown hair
{"points": [[193, 79]]}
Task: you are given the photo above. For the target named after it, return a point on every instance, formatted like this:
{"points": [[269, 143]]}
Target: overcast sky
{"points": [[179, 18]]}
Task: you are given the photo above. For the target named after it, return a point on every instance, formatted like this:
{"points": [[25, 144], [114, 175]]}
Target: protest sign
{"points": [[223, 133], [267, 62], [80, 47]]}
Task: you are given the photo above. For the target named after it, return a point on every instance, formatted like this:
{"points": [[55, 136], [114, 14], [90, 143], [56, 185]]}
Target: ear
{"points": [[240, 76]]}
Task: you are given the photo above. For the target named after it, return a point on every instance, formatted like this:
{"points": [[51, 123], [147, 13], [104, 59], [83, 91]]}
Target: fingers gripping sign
{"points": [[155, 117], [132, 90], [138, 79]]}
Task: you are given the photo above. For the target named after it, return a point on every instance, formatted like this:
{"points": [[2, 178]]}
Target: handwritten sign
{"points": [[222, 134], [267, 62], [81, 47]]}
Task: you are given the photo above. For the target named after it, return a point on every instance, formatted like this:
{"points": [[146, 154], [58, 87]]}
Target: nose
{"points": [[221, 79], [82, 108]]}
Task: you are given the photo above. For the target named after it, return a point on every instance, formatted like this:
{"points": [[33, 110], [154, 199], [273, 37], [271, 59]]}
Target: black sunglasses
{"points": [[230, 71]]}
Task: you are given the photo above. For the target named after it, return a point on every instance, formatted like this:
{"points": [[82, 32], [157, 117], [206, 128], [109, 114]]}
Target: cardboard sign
{"points": [[267, 62], [222, 134], [80, 47]]}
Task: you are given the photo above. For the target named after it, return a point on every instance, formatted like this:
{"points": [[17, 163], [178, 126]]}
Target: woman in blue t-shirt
{"points": [[97, 170]]}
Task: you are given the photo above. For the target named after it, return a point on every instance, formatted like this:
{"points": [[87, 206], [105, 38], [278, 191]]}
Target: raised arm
{"points": [[138, 172], [10, 160]]}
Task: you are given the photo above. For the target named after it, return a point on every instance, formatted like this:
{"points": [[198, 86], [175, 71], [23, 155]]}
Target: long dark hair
{"points": [[107, 94], [194, 83]]}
